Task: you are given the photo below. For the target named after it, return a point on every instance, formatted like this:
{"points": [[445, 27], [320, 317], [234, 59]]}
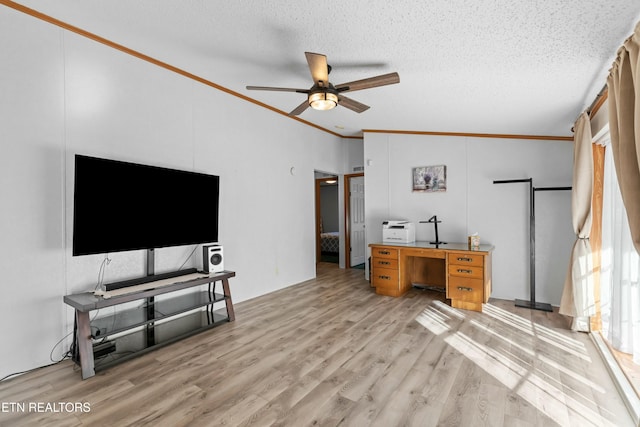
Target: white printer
{"points": [[398, 232]]}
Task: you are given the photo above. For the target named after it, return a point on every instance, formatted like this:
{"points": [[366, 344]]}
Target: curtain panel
{"points": [[624, 124], [578, 299], [620, 279]]}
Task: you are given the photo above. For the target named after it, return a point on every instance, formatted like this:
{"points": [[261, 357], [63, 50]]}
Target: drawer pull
{"points": [[384, 277], [384, 252], [464, 259], [384, 262], [460, 270], [464, 288]]}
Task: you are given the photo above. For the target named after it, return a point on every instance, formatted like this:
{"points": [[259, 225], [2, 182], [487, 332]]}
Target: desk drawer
{"points": [[469, 271], [465, 289], [385, 278], [426, 253], [384, 263], [377, 252], [466, 258]]}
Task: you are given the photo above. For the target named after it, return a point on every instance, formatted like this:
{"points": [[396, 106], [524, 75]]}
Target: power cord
{"points": [[188, 257], [65, 356], [102, 270], [33, 369], [98, 333]]}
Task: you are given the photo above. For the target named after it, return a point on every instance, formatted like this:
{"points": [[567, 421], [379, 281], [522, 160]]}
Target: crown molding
{"points": [[472, 135]]}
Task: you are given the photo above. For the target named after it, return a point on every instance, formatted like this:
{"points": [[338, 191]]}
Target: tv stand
{"points": [[157, 322]]}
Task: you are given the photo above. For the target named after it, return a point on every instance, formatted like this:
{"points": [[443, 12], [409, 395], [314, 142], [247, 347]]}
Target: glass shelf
{"points": [[134, 317], [157, 335]]}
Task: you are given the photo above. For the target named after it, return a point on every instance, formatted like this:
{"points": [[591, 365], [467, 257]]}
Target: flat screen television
{"points": [[121, 206]]}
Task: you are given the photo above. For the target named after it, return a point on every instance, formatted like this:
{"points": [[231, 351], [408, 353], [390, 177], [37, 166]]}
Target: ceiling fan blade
{"points": [[300, 108], [352, 104], [278, 89], [383, 80], [318, 67]]}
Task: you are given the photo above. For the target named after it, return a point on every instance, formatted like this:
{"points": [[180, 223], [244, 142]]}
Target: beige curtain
{"points": [[578, 300], [624, 124]]}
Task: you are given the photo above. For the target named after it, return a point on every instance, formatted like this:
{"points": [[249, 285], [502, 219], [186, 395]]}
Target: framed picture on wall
{"points": [[430, 178]]}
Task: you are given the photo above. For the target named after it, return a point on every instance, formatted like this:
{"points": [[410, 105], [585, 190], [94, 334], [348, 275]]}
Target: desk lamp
{"points": [[435, 222]]}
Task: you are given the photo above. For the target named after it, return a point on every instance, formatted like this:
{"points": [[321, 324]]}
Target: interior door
{"points": [[356, 221]]}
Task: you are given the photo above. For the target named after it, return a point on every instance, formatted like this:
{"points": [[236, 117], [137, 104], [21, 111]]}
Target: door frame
{"points": [[347, 217]]}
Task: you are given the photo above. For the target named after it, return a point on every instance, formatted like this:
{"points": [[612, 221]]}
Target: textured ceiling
{"points": [[491, 66]]}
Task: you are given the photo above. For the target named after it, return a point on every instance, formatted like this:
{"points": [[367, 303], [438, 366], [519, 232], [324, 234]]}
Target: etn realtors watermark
{"points": [[45, 407]]}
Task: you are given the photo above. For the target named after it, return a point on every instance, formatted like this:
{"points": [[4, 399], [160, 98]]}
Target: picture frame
{"points": [[428, 179]]}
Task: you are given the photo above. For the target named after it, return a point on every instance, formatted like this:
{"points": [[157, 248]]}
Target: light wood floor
{"points": [[331, 352]]}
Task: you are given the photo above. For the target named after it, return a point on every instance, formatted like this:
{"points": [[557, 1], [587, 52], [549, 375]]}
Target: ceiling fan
{"points": [[325, 96]]}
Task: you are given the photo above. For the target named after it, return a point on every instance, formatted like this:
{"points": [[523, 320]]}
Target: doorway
{"points": [[355, 236], [327, 219]]}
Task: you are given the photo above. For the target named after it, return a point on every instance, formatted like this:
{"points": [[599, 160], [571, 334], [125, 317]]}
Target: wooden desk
{"points": [[464, 274]]}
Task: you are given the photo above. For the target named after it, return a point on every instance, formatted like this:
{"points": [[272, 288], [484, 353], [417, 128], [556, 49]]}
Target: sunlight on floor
{"points": [[525, 357], [433, 320], [541, 357], [547, 335], [450, 310]]}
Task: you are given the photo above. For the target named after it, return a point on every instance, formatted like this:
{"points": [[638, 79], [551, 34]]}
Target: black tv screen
{"points": [[121, 206]]}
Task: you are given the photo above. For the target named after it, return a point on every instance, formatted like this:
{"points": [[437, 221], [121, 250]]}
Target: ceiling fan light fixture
{"points": [[325, 96], [323, 100]]}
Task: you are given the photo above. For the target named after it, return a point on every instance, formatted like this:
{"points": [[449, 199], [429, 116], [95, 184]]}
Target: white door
{"points": [[356, 220]]}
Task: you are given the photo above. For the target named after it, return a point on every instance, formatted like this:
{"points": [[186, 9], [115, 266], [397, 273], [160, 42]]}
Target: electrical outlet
{"points": [[98, 332]]}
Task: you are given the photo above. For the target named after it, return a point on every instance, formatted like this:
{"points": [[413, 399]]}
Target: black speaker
{"points": [[212, 260]]}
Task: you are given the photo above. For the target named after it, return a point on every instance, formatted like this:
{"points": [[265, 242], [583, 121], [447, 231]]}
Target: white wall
{"points": [[63, 94], [472, 203], [354, 155]]}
